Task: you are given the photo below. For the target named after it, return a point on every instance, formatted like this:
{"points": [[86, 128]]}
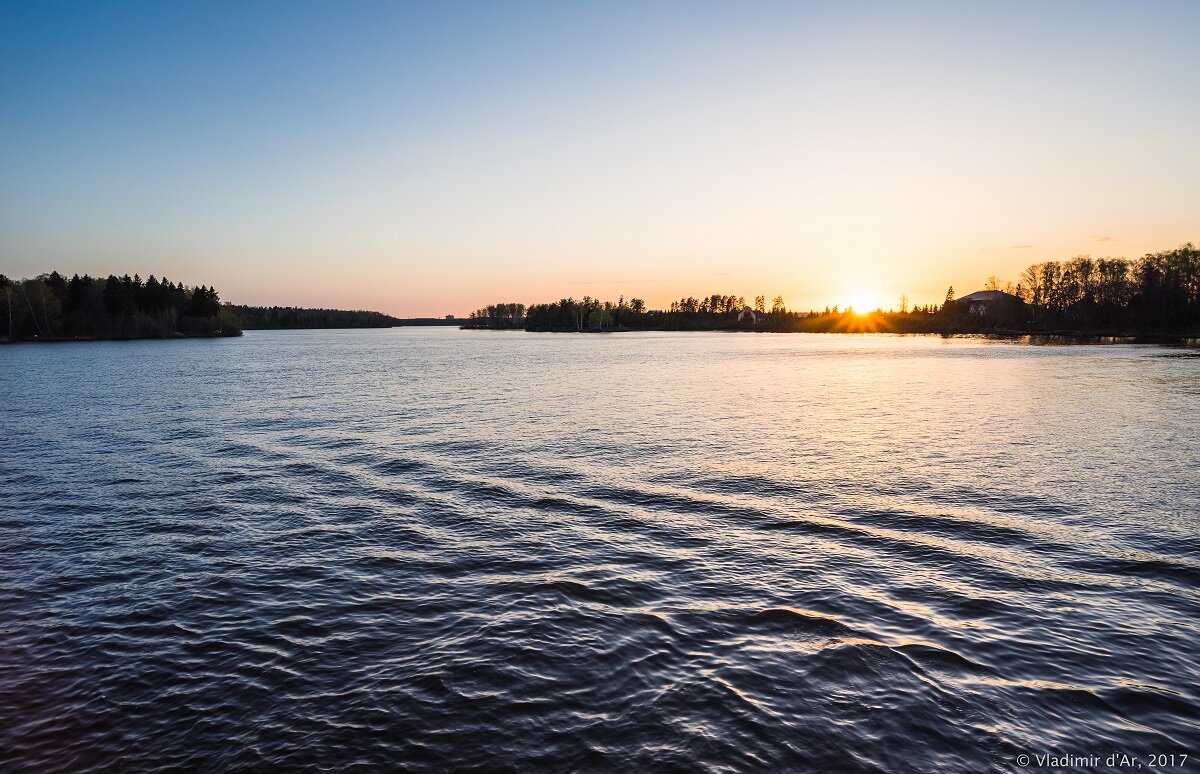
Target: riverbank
{"points": [[1186, 339], [69, 339]]}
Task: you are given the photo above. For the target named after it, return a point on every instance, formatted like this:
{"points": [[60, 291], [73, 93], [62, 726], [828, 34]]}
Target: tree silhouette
{"points": [[51, 306]]}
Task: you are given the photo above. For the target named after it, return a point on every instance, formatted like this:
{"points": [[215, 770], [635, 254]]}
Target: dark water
{"points": [[439, 550]]}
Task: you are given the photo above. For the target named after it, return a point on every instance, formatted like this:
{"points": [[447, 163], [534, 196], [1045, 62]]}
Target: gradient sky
{"points": [[429, 159]]}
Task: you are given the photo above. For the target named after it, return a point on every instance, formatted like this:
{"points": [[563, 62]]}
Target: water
{"points": [[442, 549]]}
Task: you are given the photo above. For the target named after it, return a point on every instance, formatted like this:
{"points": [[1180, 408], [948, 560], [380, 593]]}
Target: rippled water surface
{"points": [[441, 549]]}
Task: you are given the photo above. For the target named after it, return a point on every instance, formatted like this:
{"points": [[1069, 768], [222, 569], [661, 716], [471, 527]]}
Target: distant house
{"points": [[994, 305], [748, 313]]}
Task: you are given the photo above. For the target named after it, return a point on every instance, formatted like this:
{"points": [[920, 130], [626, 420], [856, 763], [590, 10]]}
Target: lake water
{"points": [[445, 549]]}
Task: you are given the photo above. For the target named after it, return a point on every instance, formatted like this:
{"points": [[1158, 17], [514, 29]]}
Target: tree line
{"points": [[293, 317], [50, 306], [1159, 292], [504, 315], [716, 311]]}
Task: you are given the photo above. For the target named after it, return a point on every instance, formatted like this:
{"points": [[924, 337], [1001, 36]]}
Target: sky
{"points": [[427, 159]]}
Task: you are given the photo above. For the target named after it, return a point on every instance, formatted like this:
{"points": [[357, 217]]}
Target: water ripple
{"points": [[438, 550]]}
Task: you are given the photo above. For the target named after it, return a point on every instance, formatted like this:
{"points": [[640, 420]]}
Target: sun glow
{"points": [[863, 303]]}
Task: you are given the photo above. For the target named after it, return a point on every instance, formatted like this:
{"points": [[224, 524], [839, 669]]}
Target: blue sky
{"points": [[424, 159]]}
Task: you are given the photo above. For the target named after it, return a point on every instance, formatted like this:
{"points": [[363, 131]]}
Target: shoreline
{"points": [[1186, 340], [4, 340], [1033, 337]]}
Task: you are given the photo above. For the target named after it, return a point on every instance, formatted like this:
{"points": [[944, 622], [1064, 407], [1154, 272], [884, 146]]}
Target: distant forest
{"points": [[52, 307], [291, 317], [1158, 293]]}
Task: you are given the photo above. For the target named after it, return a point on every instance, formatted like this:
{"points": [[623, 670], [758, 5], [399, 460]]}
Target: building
{"points": [[996, 306]]}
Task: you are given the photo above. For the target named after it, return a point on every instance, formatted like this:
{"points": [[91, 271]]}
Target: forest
{"points": [[51, 307], [1158, 293], [716, 312], [293, 317]]}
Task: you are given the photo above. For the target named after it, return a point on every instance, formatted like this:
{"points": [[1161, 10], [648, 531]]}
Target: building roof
{"points": [[985, 296]]}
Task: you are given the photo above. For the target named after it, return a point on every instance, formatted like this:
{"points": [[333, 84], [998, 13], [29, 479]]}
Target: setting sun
{"points": [[864, 303]]}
